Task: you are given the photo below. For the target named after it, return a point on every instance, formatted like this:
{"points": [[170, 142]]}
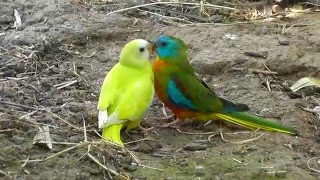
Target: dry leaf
{"points": [[42, 138], [304, 82], [18, 21]]}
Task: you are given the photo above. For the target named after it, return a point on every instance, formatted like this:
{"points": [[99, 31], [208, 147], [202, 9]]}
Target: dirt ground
{"points": [[69, 41]]}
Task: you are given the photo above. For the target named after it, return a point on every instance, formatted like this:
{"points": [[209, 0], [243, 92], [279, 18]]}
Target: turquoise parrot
{"points": [[127, 91], [178, 87]]}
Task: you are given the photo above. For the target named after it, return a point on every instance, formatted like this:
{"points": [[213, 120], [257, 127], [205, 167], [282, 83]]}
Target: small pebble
{"points": [[216, 18], [195, 147], [102, 56], [18, 139], [73, 109], [75, 138], [281, 174], [283, 41], [131, 167]]}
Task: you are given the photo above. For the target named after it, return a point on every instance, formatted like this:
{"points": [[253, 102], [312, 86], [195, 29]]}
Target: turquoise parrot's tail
{"points": [[254, 122]]}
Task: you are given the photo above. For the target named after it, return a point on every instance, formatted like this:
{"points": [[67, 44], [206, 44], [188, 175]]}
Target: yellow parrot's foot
{"points": [[174, 124]]}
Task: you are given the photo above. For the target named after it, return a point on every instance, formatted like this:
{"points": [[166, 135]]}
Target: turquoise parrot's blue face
{"points": [[168, 47]]}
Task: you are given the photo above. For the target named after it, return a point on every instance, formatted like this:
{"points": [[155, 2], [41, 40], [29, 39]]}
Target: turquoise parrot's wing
{"points": [[186, 91]]}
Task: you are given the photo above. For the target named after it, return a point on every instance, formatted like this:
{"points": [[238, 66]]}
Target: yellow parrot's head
{"points": [[136, 54]]}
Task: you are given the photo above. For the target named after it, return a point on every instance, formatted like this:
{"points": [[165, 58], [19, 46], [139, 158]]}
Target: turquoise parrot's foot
{"points": [[166, 118], [174, 124], [145, 130]]}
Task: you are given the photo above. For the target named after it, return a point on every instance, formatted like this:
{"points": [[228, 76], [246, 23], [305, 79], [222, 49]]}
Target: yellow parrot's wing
{"points": [[108, 95], [117, 101], [136, 99]]}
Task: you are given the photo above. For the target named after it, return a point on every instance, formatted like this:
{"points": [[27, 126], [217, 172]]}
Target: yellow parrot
{"points": [[127, 91]]}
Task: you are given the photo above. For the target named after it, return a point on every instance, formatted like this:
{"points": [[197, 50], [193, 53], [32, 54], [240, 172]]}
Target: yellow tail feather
{"points": [[112, 133], [254, 122]]}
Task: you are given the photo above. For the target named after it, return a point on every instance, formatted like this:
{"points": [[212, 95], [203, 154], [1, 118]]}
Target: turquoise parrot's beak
{"points": [[151, 47]]}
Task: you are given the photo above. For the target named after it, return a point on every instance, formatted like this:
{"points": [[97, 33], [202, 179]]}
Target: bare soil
{"points": [[64, 41]]}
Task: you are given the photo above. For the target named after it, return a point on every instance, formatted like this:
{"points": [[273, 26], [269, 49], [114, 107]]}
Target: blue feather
{"points": [[166, 48], [176, 97]]}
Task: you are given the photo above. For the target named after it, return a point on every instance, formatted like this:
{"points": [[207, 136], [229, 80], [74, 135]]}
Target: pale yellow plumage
{"points": [[126, 92]]}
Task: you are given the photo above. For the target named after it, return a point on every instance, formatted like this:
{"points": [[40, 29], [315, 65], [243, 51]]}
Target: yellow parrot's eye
{"points": [[141, 49]]}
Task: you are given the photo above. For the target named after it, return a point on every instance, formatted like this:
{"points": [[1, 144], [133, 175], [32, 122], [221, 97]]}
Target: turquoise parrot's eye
{"points": [[163, 44], [141, 49]]}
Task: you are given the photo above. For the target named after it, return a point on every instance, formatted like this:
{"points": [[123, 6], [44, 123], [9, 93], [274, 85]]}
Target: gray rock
{"points": [[131, 167], [195, 147], [281, 174], [18, 139], [103, 56], [216, 18], [283, 41]]}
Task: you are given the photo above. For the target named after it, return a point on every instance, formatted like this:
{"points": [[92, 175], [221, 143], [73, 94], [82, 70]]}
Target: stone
{"points": [[283, 41]]}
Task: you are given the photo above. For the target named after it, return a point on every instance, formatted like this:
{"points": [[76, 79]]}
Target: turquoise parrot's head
{"points": [[169, 47]]}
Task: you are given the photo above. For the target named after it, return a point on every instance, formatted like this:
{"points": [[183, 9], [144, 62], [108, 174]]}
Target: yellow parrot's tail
{"points": [[112, 133]]}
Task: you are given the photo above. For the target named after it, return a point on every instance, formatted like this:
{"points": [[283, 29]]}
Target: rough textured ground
{"points": [[62, 41]]}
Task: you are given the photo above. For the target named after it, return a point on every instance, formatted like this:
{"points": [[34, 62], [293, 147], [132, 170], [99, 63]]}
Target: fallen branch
{"points": [[311, 168], [158, 3]]}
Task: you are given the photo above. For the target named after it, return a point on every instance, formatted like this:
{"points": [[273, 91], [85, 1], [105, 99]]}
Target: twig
{"points": [[264, 72], [75, 72], [65, 143], [311, 168], [149, 167], [103, 166], [200, 133], [157, 3], [24, 164], [211, 136], [17, 79], [311, 110], [18, 105], [64, 151], [29, 114], [6, 130], [268, 84], [285, 30], [30, 123], [217, 24], [169, 17], [65, 84], [164, 110], [84, 131], [139, 140], [236, 160], [306, 3], [134, 157], [97, 133], [68, 123], [5, 174], [54, 155], [239, 142], [186, 15], [264, 64]]}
